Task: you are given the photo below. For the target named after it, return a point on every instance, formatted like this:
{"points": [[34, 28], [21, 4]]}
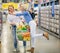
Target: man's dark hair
{"points": [[32, 9]]}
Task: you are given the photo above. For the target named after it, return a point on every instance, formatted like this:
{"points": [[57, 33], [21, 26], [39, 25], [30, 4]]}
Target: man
{"points": [[24, 13], [32, 25], [31, 11], [12, 20]]}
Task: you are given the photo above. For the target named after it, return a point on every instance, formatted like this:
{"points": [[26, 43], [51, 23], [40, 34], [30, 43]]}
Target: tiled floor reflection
{"points": [[42, 45]]}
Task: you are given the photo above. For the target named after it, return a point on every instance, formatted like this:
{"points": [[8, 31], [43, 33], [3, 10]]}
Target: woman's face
{"points": [[11, 9]]}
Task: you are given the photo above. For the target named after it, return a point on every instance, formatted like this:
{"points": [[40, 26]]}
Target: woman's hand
{"points": [[11, 13], [12, 23]]}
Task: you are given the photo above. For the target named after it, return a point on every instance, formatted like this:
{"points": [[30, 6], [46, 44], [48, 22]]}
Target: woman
{"points": [[12, 20]]}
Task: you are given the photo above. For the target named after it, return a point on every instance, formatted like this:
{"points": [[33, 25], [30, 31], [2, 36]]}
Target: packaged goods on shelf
{"points": [[52, 24], [49, 22], [54, 20], [41, 14], [57, 26], [50, 11], [47, 15], [50, 16], [58, 31], [56, 6], [57, 12], [47, 27], [52, 28], [57, 21], [56, 16]]}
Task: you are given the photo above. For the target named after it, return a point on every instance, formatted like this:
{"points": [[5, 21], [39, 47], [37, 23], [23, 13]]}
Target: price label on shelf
{"points": [[53, 9]]}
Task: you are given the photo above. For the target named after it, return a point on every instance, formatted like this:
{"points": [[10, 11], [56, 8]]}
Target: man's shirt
{"points": [[26, 15]]}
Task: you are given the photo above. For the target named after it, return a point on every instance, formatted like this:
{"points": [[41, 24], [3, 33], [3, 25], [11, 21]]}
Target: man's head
{"points": [[11, 8], [31, 10], [21, 7]]}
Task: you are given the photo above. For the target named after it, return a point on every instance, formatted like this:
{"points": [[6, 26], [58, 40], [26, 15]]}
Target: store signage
{"points": [[5, 5], [53, 9], [35, 5]]}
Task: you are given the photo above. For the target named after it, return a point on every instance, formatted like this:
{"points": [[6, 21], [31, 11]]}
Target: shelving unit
{"points": [[44, 17], [47, 22], [54, 21], [0, 19], [0, 24]]}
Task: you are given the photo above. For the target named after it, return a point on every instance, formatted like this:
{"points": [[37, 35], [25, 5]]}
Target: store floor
{"points": [[42, 45]]}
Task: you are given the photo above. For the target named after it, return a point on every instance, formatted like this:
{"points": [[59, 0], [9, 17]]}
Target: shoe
{"points": [[31, 50], [14, 50], [46, 35], [0, 45], [17, 50]]}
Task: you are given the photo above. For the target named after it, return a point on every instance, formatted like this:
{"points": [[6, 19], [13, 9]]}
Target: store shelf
{"points": [[50, 32], [47, 21], [0, 25]]}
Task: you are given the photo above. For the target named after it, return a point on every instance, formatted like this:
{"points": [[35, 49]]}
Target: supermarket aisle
{"points": [[47, 46], [42, 45], [6, 39]]}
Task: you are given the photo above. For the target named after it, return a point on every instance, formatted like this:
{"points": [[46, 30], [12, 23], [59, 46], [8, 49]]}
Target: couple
{"points": [[13, 18]]}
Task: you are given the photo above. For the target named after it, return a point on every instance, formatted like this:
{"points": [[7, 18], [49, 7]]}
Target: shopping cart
{"points": [[23, 34]]}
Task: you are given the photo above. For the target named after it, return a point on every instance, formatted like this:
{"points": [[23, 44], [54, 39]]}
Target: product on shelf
{"points": [[49, 22], [58, 31]]}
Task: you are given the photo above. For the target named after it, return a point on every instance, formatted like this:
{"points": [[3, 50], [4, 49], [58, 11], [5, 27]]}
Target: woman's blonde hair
{"points": [[10, 6]]}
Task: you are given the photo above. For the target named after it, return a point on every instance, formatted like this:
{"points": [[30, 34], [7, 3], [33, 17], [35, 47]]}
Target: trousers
{"points": [[14, 35]]}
